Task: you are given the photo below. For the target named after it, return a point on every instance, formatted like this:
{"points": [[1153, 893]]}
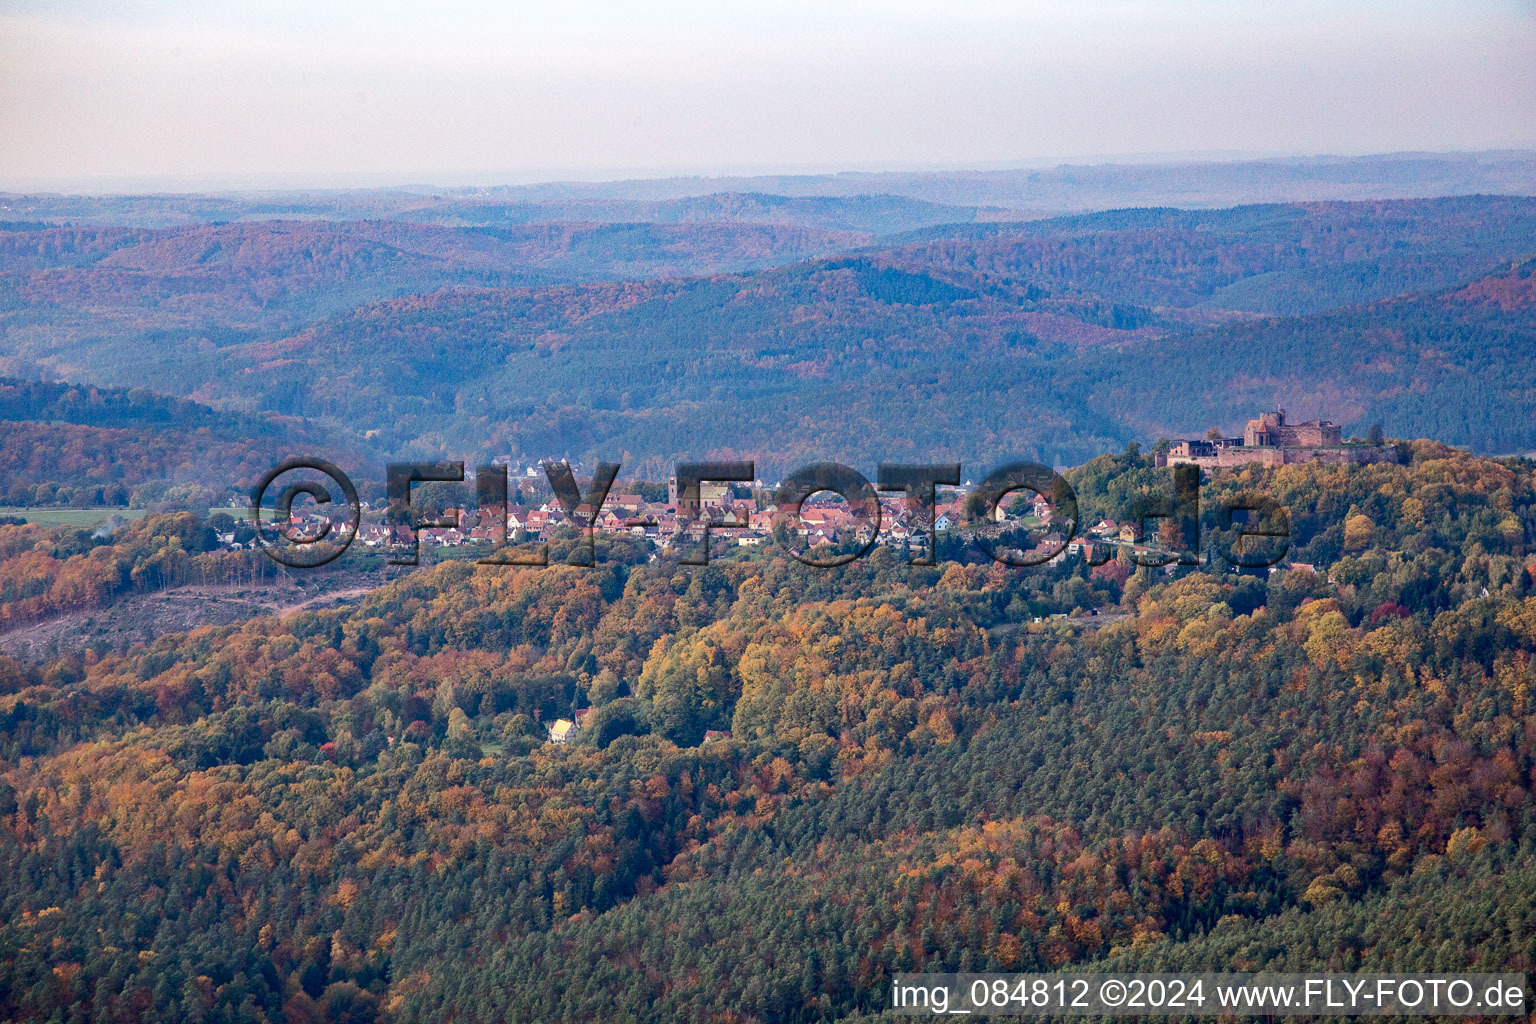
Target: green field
{"points": [[77, 517]]}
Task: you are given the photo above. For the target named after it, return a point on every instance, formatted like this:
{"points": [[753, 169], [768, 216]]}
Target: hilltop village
{"points": [[743, 520], [747, 518]]}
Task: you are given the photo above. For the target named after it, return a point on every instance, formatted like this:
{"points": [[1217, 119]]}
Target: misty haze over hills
{"points": [[873, 201]]}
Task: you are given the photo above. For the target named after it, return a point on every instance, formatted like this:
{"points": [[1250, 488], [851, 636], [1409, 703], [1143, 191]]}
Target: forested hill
{"points": [[1274, 259], [354, 814], [1453, 363], [84, 298], [1056, 346], [1056, 340], [57, 402], [71, 445]]}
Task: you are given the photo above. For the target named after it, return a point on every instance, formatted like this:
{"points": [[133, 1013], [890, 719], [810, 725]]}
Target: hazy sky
{"points": [[457, 92]]}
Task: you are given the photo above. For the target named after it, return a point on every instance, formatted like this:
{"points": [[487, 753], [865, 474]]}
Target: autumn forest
{"points": [[233, 792]]}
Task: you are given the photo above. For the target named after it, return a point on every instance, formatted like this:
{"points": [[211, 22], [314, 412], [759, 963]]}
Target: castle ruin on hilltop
{"points": [[1272, 441]]}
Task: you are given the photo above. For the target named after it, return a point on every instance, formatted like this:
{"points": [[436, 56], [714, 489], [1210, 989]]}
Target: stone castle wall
{"points": [[1227, 458], [1310, 435], [1270, 441], [1270, 430]]}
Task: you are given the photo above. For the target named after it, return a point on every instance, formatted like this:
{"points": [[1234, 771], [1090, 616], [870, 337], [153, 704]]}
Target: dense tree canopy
{"points": [[354, 813]]}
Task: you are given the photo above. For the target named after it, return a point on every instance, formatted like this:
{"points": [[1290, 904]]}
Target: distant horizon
{"points": [[296, 182], [100, 94]]}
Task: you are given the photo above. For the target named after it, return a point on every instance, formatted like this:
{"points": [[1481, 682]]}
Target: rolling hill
{"points": [[1055, 339]]}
